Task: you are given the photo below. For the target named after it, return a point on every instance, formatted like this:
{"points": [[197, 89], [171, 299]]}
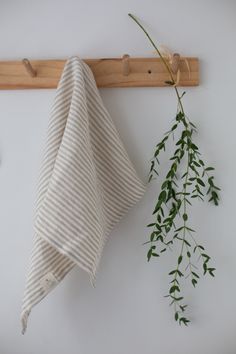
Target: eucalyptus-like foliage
{"points": [[187, 180]]}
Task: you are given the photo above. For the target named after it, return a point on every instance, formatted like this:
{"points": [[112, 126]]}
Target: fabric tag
{"points": [[48, 281]]}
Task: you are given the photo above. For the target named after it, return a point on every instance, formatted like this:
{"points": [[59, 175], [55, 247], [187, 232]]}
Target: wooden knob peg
{"points": [[126, 67], [30, 70], [175, 63]]}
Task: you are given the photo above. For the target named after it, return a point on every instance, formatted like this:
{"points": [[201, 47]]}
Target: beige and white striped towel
{"points": [[87, 183]]}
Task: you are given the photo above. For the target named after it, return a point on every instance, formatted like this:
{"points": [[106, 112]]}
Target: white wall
{"points": [[126, 312]]}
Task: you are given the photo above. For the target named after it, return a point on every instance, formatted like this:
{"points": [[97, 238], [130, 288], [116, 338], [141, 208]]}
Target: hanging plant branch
{"points": [[171, 227]]}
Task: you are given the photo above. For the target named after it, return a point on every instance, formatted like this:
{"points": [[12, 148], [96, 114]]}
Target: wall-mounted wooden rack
{"points": [[108, 72]]}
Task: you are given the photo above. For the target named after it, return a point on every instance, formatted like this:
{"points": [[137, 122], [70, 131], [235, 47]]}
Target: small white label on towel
{"points": [[48, 281]]}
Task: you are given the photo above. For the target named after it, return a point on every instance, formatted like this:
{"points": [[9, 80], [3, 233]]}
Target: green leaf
{"points": [[195, 274], [155, 171], [152, 224], [180, 259], [209, 169], [210, 181], [183, 307], [164, 185], [187, 243], [201, 162], [162, 212], [184, 320], [206, 256], [214, 194], [196, 164], [193, 125], [157, 207], [185, 217], [152, 236], [162, 196], [179, 229], [174, 127], [194, 147], [199, 181], [155, 254], [180, 274], [188, 201], [211, 270], [180, 142], [189, 229], [150, 178], [168, 174], [173, 289], [149, 255], [217, 188], [178, 298]]}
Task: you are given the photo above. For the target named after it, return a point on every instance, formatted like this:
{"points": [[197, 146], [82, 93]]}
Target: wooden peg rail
{"points": [[108, 72]]}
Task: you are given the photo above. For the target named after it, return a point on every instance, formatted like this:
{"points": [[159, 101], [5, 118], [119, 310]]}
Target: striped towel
{"points": [[87, 183]]}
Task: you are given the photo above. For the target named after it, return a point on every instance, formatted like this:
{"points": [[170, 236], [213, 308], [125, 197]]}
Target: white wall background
{"points": [[126, 312]]}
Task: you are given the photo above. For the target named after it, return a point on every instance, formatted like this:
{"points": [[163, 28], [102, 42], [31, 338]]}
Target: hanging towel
{"points": [[87, 183]]}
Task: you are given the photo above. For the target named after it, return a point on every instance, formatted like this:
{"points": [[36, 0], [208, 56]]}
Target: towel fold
{"points": [[87, 183]]}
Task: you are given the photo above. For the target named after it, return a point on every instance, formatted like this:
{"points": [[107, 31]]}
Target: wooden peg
{"points": [[126, 67], [30, 70], [175, 63]]}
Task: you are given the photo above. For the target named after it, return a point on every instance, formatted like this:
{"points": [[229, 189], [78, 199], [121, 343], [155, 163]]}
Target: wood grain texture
{"points": [[108, 72]]}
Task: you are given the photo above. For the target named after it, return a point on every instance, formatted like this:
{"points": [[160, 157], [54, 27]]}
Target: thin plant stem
{"points": [[176, 199], [161, 56]]}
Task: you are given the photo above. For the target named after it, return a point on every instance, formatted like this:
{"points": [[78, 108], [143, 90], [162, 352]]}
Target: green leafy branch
{"points": [[171, 227]]}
